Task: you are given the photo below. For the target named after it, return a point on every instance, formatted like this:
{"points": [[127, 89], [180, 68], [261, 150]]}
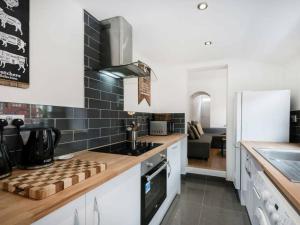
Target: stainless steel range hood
{"points": [[116, 45]]}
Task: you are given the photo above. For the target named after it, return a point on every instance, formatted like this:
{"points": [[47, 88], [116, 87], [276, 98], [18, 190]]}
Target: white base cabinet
{"points": [[116, 202], [173, 182], [249, 170], [70, 214], [113, 203], [183, 155]]}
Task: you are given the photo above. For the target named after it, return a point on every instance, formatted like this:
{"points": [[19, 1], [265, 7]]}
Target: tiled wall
{"points": [[101, 122], [179, 122], [295, 127]]}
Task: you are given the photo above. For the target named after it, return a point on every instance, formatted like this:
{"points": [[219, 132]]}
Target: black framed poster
{"points": [[14, 43]]}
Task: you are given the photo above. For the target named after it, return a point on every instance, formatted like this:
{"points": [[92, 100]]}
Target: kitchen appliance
{"points": [[125, 148], [260, 116], [116, 36], [161, 128], [153, 185], [38, 151], [269, 206], [5, 164]]}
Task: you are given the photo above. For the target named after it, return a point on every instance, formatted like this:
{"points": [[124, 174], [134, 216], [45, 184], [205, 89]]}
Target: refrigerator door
{"points": [[266, 115], [237, 139], [238, 120]]}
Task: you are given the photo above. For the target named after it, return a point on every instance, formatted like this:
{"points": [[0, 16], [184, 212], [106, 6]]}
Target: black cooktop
{"points": [[125, 148]]}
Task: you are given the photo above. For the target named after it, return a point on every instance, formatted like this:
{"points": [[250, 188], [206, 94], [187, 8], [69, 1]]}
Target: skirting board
{"points": [[215, 173]]}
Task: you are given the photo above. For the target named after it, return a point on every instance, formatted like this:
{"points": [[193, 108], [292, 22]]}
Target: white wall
{"points": [[56, 56], [213, 82], [168, 93]]}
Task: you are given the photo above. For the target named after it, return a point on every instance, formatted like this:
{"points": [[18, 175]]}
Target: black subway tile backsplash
{"points": [[70, 147], [99, 123], [71, 124], [93, 113], [81, 135], [91, 93], [295, 127], [96, 142], [67, 136]]}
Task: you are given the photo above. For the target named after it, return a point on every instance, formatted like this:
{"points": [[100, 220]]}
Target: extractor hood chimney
{"points": [[116, 45]]}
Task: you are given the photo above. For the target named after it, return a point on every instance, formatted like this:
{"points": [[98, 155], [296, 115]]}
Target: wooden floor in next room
{"points": [[215, 161]]}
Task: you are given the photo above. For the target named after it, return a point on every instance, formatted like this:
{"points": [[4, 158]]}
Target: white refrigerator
{"points": [[260, 116]]}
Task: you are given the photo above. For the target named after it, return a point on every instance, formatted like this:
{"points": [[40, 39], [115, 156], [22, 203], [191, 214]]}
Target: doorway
{"points": [[207, 93], [200, 108]]}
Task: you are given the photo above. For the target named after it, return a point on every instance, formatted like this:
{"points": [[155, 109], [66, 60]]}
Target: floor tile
{"points": [[221, 195], [206, 201], [218, 216], [188, 213], [192, 193]]}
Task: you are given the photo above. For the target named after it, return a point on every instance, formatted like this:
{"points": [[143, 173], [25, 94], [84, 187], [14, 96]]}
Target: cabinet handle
{"points": [[169, 174], [97, 210], [76, 218]]}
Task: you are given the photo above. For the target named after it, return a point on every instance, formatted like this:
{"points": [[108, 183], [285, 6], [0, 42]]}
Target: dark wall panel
{"points": [[295, 127]]}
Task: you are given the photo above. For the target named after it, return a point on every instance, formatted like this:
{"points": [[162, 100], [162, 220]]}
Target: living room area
{"points": [[207, 91]]}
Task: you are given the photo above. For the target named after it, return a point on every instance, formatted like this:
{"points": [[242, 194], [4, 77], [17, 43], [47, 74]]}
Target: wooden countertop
{"points": [[18, 210], [289, 189]]}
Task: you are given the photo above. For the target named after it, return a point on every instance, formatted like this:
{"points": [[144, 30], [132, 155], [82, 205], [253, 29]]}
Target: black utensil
{"points": [[5, 164]]}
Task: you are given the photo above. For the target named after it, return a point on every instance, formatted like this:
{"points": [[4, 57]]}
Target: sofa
{"points": [[212, 138]]}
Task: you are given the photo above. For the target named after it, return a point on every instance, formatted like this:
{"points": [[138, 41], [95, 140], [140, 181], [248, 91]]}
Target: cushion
{"points": [[196, 133], [191, 133], [199, 128]]}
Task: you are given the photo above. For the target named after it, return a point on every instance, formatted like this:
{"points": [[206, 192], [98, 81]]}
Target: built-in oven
{"points": [[153, 186]]}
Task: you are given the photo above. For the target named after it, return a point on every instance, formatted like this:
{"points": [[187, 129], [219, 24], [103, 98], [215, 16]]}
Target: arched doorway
{"points": [[207, 99], [200, 108]]}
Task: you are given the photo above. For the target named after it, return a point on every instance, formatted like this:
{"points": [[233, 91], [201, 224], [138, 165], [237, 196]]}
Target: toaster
{"points": [[161, 128]]}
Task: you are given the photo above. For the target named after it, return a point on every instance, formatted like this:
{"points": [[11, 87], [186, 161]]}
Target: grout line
{"points": [[202, 203]]}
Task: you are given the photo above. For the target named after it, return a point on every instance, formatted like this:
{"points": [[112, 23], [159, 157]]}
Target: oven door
{"points": [[153, 191]]}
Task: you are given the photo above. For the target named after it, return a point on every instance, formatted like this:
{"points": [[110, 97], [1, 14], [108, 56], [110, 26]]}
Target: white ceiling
{"points": [[174, 31]]}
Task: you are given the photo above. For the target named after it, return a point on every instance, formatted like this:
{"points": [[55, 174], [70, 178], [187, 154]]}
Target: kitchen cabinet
{"points": [[173, 182], [174, 171], [70, 214], [113, 203], [249, 171], [183, 155], [117, 201]]}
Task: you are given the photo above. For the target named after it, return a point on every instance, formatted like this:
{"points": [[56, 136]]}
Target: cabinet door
{"points": [[174, 171], [245, 175], [183, 155], [117, 201], [173, 182], [71, 214]]}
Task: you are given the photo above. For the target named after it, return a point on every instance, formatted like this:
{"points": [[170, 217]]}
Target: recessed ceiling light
{"points": [[208, 43], [202, 6]]}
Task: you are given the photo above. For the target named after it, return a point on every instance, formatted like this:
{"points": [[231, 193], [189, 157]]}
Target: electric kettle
{"points": [[5, 164], [38, 151]]}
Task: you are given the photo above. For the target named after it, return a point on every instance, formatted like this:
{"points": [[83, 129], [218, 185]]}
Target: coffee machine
{"points": [[38, 151]]}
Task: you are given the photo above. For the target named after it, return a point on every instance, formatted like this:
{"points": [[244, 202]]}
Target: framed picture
{"points": [[14, 43]]}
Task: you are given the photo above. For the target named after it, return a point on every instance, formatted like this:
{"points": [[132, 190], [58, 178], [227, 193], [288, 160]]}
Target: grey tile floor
{"points": [[206, 201]]}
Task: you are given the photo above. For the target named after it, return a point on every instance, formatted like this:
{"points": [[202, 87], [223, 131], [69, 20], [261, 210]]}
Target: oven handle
{"points": [[150, 177]]}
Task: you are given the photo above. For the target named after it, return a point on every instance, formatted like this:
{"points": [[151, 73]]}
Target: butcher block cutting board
{"points": [[40, 184]]}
